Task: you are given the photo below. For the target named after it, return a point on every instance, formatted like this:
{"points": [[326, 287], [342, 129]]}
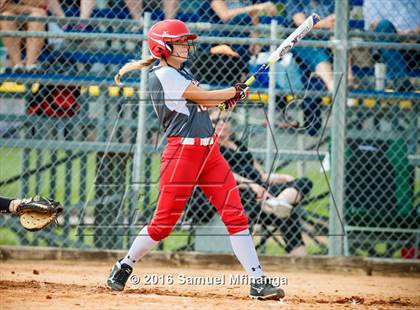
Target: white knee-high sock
{"points": [[140, 247], [244, 249]]}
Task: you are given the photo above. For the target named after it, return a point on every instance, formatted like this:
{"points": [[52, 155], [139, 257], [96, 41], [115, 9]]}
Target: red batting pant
{"points": [[184, 166]]}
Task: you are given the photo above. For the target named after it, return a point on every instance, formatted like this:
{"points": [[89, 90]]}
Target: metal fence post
{"points": [[338, 129], [271, 103], [140, 140]]}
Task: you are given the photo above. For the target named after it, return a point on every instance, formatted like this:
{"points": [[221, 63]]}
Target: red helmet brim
{"points": [[189, 36]]}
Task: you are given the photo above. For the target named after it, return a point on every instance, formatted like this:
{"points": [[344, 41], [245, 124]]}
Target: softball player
{"points": [[192, 156]]}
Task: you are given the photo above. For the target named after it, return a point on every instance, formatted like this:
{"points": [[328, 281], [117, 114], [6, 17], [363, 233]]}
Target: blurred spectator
{"points": [[240, 12], [55, 8], [404, 15], [284, 191], [318, 60], [227, 10], [170, 8], [33, 46], [389, 16], [222, 63]]}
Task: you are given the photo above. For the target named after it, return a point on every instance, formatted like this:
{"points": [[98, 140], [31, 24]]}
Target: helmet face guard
{"points": [[163, 35], [190, 46]]}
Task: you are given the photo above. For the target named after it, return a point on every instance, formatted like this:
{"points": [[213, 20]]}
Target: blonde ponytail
{"points": [[133, 65]]}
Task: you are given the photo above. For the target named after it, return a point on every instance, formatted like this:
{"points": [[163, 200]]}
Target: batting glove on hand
{"points": [[242, 91], [227, 104]]}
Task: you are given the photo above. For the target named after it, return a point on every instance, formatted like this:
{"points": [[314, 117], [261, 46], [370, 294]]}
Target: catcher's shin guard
{"points": [[119, 276], [262, 288]]}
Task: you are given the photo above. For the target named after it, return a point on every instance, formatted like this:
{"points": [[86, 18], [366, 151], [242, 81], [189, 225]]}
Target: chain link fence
{"points": [[335, 122]]}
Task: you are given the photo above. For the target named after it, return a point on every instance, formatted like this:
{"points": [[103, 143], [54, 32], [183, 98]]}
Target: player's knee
{"points": [[159, 232], [236, 224]]}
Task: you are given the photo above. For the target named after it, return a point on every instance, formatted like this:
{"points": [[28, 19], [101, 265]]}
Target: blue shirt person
{"points": [[390, 16]]}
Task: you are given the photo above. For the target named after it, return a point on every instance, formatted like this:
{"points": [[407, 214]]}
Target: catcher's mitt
{"points": [[38, 212]]}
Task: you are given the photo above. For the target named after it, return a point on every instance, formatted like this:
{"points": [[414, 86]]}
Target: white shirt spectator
{"points": [[403, 14]]}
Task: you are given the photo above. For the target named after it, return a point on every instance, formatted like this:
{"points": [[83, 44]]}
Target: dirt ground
{"points": [[81, 285]]}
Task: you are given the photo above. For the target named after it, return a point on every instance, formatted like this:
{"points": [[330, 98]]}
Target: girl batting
{"points": [[192, 156]]}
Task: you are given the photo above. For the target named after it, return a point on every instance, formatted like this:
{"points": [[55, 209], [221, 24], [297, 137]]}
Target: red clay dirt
{"points": [[81, 285]]}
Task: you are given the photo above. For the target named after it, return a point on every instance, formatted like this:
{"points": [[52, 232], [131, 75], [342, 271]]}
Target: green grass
{"points": [[11, 163], [8, 237], [176, 240]]}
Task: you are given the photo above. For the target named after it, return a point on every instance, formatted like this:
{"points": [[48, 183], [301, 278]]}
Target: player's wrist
{"points": [[14, 205], [232, 92], [241, 91]]}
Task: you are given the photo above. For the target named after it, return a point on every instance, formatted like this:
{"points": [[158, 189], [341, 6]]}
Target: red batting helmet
{"points": [[167, 31]]}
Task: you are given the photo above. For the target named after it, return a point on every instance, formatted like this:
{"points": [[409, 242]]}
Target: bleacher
{"points": [[104, 56]]}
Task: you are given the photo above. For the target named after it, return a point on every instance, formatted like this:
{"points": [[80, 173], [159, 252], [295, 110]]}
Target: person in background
{"points": [[221, 63], [317, 59], [33, 45], [170, 8], [227, 10], [398, 17], [55, 8], [242, 12], [274, 195]]}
